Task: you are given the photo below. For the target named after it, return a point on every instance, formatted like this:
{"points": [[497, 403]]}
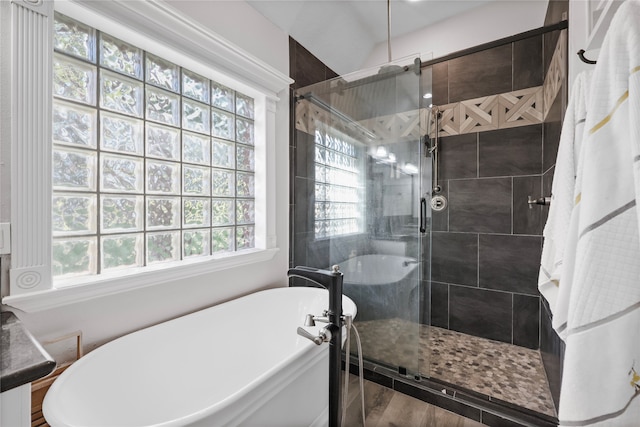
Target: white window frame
{"points": [[157, 28]]}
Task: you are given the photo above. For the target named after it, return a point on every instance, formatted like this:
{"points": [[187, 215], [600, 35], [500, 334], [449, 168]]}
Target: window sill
{"points": [[87, 288]]}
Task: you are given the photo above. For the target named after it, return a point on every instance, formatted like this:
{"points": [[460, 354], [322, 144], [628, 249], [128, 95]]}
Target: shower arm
{"points": [[435, 111], [389, 30]]}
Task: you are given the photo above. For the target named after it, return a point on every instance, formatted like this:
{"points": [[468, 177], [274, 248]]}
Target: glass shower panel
{"points": [[366, 132]]}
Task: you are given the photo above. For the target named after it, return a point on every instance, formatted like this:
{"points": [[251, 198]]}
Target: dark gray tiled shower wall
{"points": [[486, 246], [551, 346], [305, 69], [488, 242]]}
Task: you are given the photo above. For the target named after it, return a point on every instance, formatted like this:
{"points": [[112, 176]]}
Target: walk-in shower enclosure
{"points": [[358, 191]]}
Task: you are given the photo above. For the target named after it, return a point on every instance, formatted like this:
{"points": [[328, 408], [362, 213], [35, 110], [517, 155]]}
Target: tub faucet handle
{"points": [[309, 321], [323, 336]]}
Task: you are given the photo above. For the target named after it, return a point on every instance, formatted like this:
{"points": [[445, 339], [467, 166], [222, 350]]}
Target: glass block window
{"points": [[338, 186], [152, 162]]}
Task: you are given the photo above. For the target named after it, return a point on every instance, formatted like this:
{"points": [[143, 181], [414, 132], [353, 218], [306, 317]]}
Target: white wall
{"points": [[578, 37], [5, 116], [483, 24], [106, 318], [242, 25], [582, 36]]}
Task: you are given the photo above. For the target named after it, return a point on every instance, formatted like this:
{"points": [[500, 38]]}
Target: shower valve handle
{"points": [[323, 336], [544, 201]]}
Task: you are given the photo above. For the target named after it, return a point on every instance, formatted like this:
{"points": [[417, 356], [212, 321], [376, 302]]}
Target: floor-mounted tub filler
{"points": [[240, 363]]}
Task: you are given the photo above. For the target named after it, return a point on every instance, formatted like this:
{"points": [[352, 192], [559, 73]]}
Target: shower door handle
{"points": [[423, 215]]}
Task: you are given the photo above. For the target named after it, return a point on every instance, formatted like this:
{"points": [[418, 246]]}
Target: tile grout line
{"points": [[478, 262], [477, 154], [461, 285], [540, 314], [489, 233], [449, 207], [513, 208], [496, 177], [513, 63], [512, 317], [448, 306]]}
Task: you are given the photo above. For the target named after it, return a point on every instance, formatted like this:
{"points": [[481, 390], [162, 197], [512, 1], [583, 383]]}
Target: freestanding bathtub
{"points": [[237, 363], [383, 286]]}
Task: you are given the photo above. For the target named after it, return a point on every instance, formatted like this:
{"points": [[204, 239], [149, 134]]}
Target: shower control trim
{"points": [[438, 203], [543, 201]]}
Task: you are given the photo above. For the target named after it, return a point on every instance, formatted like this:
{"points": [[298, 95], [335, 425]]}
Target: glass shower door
{"points": [[366, 132]]}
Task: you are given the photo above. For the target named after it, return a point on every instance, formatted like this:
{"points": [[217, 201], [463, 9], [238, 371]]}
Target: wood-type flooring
{"points": [[389, 408]]}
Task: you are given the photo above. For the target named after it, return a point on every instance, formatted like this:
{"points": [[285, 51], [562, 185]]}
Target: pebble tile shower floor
{"points": [[503, 371]]}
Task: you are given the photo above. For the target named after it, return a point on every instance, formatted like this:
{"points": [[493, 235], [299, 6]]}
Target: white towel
{"points": [[601, 376], [562, 194]]}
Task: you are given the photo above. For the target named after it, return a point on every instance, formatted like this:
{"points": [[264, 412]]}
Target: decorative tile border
{"points": [[309, 117], [400, 126], [512, 109], [557, 73], [506, 110], [520, 108]]}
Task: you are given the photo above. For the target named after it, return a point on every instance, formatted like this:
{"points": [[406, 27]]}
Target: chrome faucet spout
{"points": [[406, 263]]}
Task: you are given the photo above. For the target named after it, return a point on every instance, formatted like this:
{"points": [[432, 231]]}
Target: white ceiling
{"points": [[342, 33]]}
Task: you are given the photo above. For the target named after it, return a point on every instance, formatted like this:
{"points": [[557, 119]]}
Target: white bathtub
{"points": [[383, 286], [238, 363], [377, 269]]}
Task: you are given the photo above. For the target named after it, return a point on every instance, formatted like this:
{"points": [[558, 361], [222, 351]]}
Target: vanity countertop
{"points": [[23, 358]]}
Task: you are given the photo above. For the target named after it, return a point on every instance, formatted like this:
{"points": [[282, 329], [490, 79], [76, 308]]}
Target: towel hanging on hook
{"points": [[583, 59]]}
